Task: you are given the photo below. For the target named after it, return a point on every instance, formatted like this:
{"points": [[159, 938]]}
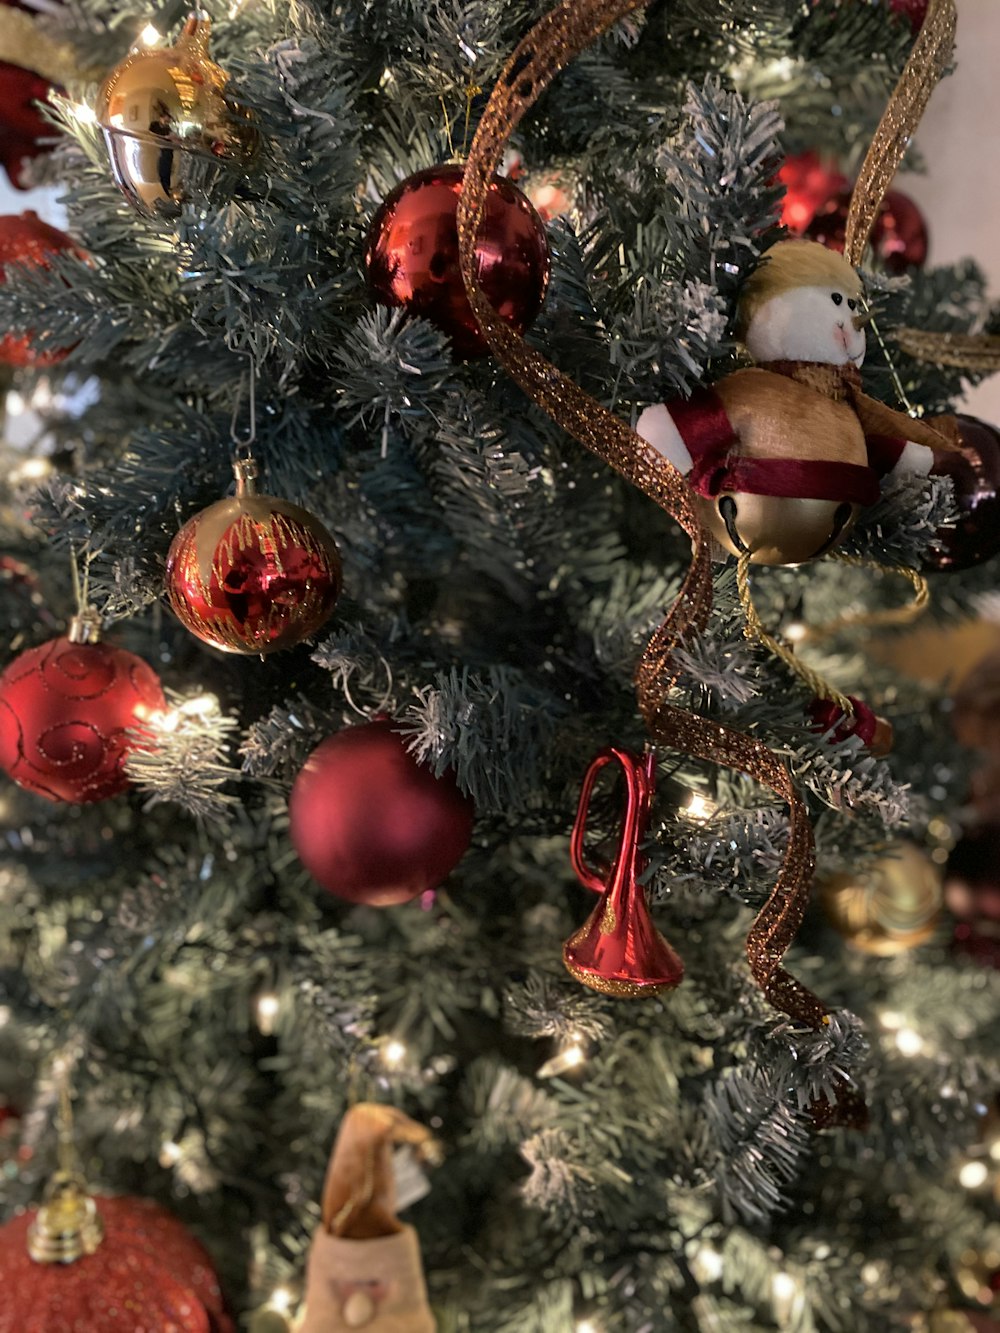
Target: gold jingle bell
{"points": [[776, 529], [169, 126], [891, 907]]}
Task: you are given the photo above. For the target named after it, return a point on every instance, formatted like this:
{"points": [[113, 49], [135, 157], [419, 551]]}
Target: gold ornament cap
{"points": [[168, 123], [85, 627], [67, 1225]]}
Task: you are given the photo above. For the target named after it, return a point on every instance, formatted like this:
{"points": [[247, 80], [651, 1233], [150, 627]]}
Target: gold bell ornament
{"points": [[169, 124]]}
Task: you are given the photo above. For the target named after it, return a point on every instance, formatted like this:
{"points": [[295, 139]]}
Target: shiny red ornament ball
{"points": [[147, 1274], [914, 10], [899, 238], [810, 182], [411, 255], [65, 710], [26, 239], [373, 825], [253, 574], [975, 475]]}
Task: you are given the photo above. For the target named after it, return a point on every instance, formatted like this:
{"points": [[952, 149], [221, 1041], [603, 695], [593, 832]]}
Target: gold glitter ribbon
{"points": [[930, 57], [963, 351], [23, 43], [554, 41]]}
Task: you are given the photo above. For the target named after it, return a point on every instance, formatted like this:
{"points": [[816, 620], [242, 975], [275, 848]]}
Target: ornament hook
{"points": [[68, 1225]]}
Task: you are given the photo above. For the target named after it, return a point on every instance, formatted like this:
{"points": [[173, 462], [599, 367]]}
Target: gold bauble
{"points": [[777, 529], [169, 125], [889, 908]]}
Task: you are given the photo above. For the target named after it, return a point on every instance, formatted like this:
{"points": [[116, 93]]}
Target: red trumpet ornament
{"points": [[618, 950]]}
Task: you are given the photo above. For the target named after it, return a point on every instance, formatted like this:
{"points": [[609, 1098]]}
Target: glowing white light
{"points": [[4, 1015], [394, 1054], [783, 1287], [796, 632], [202, 705], [170, 1153], [15, 403], [150, 35], [700, 808], [707, 1264], [892, 1021], [995, 1150], [908, 1042], [32, 469], [973, 1174], [267, 1007], [84, 113], [571, 1056], [281, 1300], [587, 1326]]}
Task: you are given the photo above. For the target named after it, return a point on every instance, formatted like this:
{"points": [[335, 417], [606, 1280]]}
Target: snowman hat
{"points": [[788, 266]]}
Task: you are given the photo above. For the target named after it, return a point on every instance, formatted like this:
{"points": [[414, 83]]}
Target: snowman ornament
{"points": [[782, 456]]}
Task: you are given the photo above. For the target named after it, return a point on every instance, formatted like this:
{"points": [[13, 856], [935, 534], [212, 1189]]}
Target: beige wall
{"points": [[960, 141]]}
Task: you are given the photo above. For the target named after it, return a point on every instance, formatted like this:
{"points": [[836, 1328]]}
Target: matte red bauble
{"points": [[26, 239], [146, 1273], [65, 710], [809, 183], [253, 574], [899, 237], [373, 825], [975, 473], [411, 255]]}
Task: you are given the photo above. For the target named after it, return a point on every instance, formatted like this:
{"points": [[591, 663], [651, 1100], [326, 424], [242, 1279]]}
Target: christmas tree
{"points": [[290, 883]]}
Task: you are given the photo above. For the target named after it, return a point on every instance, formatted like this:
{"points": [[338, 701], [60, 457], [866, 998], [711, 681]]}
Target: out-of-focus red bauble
{"points": [[373, 825], [975, 473], [972, 894], [899, 237], [809, 183], [26, 239], [148, 1273], [411, 255], [22, 126], [875, 732], [253, 573], [65, 709], [914, 10]]}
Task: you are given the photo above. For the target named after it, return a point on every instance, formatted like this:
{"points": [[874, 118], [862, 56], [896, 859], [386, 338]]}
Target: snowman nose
{"points": [[861, 319]]}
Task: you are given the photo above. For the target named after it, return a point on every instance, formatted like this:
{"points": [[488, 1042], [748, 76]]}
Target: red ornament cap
{"points": [[65, 710], [411, 255], [26, 239], [253, 574], [371, 824], [618, 950]]}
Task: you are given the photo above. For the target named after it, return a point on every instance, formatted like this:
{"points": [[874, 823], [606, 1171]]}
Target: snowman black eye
{"points": [[837, 298], [851, 305]]}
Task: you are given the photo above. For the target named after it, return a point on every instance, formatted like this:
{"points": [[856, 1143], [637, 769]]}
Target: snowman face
{"points": [[809, 324]]}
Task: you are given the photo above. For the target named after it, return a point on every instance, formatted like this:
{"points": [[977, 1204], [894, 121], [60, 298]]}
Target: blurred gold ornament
{"points": [[891, 907], [964, 351], [67, 1226], [168, 123]]}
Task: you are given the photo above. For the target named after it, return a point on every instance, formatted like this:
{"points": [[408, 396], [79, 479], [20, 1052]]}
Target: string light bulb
{"points": [[699, 808], [150, 35], [170, 1153], [266, 1008], [908, 1042], [281, 1300], [973, 1175], [394, 1053], [571, 1055]]}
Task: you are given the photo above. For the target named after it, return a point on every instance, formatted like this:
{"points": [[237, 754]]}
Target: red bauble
{"points": [[875, 733], [809, 183], [26, 239], [148, 1273], [914, 10], [975, 473], [373, 825], [253, 574], [899, 237], [411, 255], [65, 709], [972, 894]]}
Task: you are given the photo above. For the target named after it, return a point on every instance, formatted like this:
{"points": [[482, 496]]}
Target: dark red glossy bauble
{"points": [[26, 239], [65, 710], [809, 183], [147, 1273], [22, 126], [914, 10], [373, 825], [411, 255], [975, 473], [899, 237], [875, 733], [253, 574], [972, 894]]}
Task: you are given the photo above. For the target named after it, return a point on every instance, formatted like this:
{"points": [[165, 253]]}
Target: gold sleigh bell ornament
{"points": [[890, 908], [169, 125]]}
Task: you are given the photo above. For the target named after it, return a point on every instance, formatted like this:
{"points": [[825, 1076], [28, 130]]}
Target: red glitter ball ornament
{"points": [[65, 710], [373, 825], [148, 1273], [411, 255], [253, 574], [26, 239], [975, 474], [899, 237], [809, 183]]}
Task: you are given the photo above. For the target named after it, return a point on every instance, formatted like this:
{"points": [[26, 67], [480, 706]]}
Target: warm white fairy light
{"points": [[267, 1007], [32, 469], [892, 1021], [586, 1326], [908, 1042], [699, 808], [784, 1296], [571, 1055], [706, 1264], [84, 113], [393, 1054], [170, 1153], [973, 1175], [795, 632], [150, 35], [200, 706], [281, 1300]]}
